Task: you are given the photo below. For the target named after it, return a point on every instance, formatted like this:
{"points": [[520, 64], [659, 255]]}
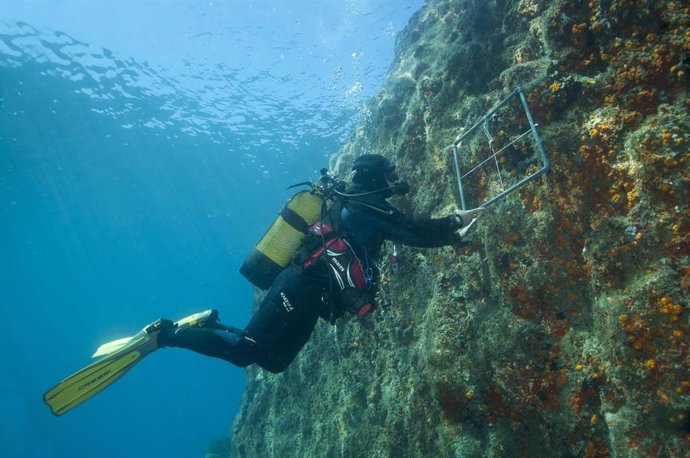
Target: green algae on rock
{"points": [[562, 329]]}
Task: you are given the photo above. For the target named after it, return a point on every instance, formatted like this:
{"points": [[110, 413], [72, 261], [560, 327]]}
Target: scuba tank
{"points": [[285, 236], [280, 242]]}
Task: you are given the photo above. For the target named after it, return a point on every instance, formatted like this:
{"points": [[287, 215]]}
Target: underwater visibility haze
{"points": [[144, 149]]}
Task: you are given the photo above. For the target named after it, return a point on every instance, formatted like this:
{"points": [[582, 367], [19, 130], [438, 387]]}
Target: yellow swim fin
{"points": [[96, 377], [118, 357], [196, 320], [111, 347]]}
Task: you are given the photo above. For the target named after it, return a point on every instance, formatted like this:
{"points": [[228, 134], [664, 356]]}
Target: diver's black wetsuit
{"points": [[287, 316]]}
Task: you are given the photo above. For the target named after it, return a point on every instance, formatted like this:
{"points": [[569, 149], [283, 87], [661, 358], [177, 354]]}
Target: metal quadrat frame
{"points": [[482, 123]]}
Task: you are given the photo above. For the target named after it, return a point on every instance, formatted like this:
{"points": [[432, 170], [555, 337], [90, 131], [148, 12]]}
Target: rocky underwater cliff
{"points": [[561, 329]]}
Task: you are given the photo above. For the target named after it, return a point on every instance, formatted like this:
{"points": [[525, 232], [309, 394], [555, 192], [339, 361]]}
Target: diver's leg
{"points": [[229, 344], [273, 337], [285, 319]]}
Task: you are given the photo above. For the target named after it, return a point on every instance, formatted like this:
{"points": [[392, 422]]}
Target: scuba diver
{"points": [[330, 271]]}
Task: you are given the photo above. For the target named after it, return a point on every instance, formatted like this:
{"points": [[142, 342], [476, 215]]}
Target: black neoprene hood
{"points": [[372, 170]]}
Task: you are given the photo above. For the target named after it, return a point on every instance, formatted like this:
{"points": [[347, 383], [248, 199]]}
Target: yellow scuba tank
{"points": [[276, 248]]}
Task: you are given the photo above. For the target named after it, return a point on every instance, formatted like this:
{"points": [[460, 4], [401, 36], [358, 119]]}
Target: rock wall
{"points": [[562, 329]]}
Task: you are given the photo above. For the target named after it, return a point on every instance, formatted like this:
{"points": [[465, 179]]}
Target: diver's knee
{"points": [[274, 363], [274, 368]]}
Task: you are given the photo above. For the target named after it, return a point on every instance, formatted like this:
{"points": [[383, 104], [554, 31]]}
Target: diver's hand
{"points": [[463, 232], [467, 217]]}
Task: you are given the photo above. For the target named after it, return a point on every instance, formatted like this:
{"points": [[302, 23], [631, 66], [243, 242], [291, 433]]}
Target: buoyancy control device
{"points": [[353, 280], [298, 218]]}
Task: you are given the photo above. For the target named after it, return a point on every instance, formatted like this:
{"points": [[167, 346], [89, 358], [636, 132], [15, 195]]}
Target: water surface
{"points": [[144, 147]]}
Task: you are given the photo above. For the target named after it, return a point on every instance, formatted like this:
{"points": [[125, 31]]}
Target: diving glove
{"points": [[467, 216], [463, 232], [466, 219]]}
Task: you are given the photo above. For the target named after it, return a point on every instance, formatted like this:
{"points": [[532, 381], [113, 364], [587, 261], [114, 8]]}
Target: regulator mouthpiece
{"points": [[401, 188]]}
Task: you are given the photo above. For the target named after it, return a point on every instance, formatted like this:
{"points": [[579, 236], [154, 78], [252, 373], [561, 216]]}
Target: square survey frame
{"points": [[514, 148]]}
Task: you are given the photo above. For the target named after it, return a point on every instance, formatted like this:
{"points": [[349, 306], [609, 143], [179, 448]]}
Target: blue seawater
{"points": [[144, 149]]}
